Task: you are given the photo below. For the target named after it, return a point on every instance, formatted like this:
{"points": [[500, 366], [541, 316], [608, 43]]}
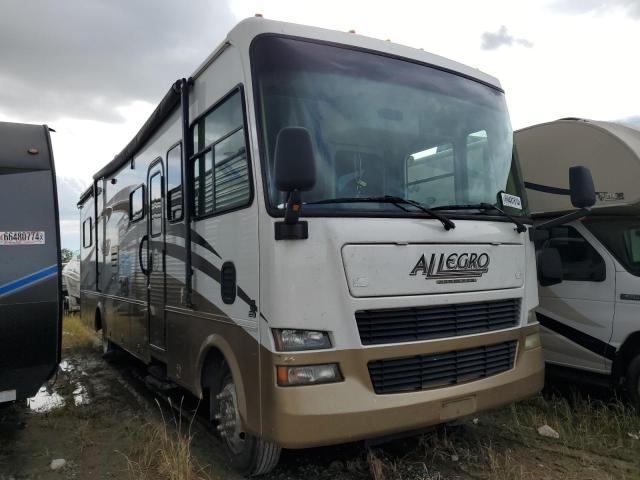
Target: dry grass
{"points": [[376, 466], [76, 337], [596, 438], [606, 428], [164, 452], [503, 466]]}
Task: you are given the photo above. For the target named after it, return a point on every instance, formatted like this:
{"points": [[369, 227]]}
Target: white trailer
{"points": [[323, 236], [591, 320]]}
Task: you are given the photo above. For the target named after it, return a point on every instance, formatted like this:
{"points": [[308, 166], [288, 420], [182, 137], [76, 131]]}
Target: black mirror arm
{"points": [[520, 227], [294, 206], [555, 222]]}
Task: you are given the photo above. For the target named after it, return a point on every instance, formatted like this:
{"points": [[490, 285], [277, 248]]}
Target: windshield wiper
{"points": [[394, 200], [520, 227]]}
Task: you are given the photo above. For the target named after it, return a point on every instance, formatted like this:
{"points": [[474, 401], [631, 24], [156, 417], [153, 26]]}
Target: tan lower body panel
{"points": [[314, 415]]}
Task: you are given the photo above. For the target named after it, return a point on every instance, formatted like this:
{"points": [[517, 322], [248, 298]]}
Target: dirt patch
{"points": [[101, 418]]}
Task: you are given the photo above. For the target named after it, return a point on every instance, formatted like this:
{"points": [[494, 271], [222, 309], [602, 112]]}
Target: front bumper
{"points": [[314, 415]]}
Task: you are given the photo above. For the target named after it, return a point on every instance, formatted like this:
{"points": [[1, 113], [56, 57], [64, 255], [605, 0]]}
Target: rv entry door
{"points": [[156, 259]]}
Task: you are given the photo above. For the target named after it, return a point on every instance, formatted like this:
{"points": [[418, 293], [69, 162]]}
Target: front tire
{"points": [[249, 455], [108, 347], [633, 381]]}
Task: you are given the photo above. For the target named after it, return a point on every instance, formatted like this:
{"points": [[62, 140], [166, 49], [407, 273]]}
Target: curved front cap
{"points": [[416, 269]]}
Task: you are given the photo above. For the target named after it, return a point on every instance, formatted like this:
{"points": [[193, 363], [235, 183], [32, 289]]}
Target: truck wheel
{"points": [[249, 454], [633, 381], [108, 347]]}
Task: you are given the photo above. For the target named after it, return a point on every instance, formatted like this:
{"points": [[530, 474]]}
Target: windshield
{"points": [[383, 126], [621, 236]]}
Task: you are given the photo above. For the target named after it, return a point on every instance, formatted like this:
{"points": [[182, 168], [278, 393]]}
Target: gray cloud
{"points": [[85, 58], [495, 40], [631, 7]]}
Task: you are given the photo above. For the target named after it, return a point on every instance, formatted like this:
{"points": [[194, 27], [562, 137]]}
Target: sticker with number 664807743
{"points": [[512, 201], [29, 237]]}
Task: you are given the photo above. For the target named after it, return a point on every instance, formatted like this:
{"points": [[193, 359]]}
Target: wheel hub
{"points": [[228, 418]]}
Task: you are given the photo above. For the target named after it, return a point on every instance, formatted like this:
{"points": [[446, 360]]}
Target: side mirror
{"points": [[549, 267], [294, 172], [583, 196], [294, 165], [583, 193]]}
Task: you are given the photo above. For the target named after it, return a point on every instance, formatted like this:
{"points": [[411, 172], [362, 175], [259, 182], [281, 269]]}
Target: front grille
{"points": [[440, 321], [441, 369]]}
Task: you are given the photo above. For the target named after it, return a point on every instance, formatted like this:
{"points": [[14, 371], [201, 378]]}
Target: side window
{"points": [[632, 244], [87, 233], [136, 204], [580, 261], [430, 175], [220, 166], [174, 183], [155, 204]]}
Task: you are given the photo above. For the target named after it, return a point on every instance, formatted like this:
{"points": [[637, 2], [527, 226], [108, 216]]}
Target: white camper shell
{"points": [[591, 320], [610, 150], [370, 316]]}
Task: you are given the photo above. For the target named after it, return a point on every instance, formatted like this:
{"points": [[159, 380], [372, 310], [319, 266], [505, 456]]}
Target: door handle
{"points": [[146, 271]]}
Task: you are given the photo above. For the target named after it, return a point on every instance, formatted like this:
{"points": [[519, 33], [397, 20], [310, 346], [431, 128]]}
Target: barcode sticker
{"points": [[511, 201], [22, 238]]}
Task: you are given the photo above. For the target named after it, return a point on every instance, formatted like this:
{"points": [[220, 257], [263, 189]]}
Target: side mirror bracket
{"points": [[583, 197], [292, 228], [539, 231]]}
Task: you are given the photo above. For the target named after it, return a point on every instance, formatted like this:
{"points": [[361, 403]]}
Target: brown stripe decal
{"points": [[202, 264]]}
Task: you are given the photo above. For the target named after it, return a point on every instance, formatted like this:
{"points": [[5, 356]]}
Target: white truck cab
{"points": [[591, 319]]}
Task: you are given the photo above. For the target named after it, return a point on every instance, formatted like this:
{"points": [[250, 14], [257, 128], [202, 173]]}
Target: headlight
{"points": [[288, 340], [307, 374], [531, 317], [532, 341]]}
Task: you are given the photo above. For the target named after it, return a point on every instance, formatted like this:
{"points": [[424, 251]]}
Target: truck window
{"points": [[382, 126], [155, 203], [136, 204], [621, 236], [87, 233], [221, 168], [580, 261], [174, 183]]}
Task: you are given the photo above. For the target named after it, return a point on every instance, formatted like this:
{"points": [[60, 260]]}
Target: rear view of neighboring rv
{"points": [[30, 308], [590, 318]]}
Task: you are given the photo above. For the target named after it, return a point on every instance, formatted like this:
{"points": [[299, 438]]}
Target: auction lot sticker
{"points": [[22, 238]]}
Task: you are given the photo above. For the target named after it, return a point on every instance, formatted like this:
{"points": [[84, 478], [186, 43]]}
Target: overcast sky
{"points": [[95, 69]]}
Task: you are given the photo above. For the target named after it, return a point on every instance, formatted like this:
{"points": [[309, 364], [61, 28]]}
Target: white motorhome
{"points": [[591, 320], [324, 237]]}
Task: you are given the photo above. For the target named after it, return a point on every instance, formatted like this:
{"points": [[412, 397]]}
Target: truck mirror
{"points": [[294, 165], [583, 193], [549, 267]]}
